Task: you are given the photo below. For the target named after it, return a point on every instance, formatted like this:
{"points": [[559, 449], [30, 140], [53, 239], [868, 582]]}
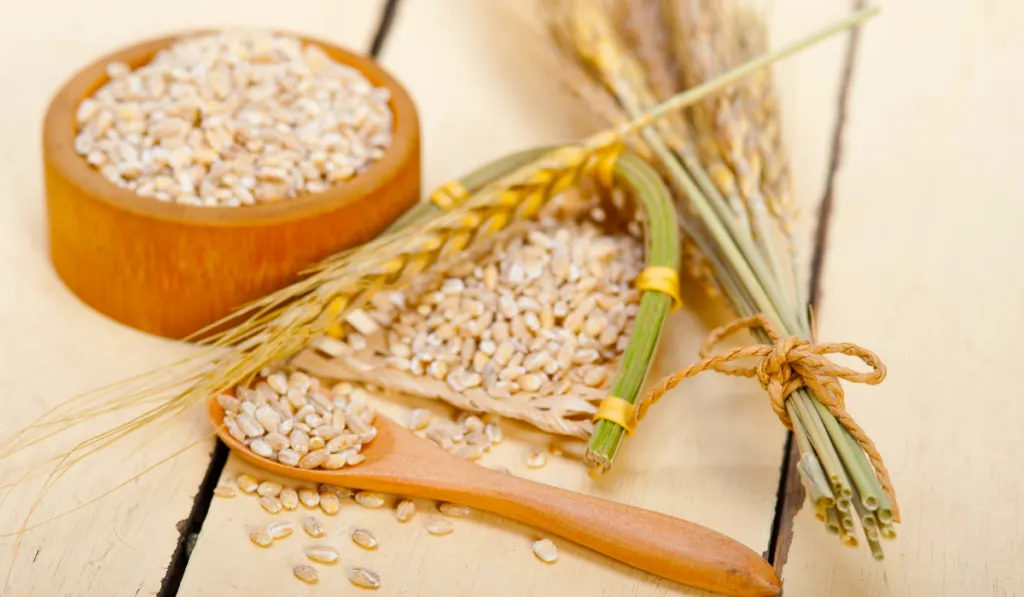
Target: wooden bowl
{"points": [[172, 269]]}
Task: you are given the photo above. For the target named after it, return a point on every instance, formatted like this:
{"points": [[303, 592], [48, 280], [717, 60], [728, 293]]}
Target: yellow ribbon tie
{"points": [[661, 279], [619, 411]]}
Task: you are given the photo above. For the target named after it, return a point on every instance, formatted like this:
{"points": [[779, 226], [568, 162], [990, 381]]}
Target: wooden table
{"points": [[905, 137]]}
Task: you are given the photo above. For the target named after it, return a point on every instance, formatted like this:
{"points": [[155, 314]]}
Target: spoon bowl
{"points": [[398, 461]]}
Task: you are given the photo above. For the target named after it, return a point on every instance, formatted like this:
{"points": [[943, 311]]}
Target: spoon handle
{"points": [[657, 543]]}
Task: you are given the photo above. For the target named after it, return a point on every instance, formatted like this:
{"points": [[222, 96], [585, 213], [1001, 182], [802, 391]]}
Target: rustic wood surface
{"points": [[912, 168], [922, 266]]}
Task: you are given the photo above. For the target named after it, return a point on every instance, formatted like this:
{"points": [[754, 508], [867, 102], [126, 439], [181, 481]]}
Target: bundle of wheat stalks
{"points": [[282, 324], [724, 159]]}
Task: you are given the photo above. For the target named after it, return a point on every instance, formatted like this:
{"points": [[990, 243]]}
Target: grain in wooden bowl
{"points": [[169, 258]]}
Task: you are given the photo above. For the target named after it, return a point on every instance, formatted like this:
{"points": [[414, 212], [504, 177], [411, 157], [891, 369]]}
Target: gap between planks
{"points": [[387, 19], [791, 492], [190, 527]]}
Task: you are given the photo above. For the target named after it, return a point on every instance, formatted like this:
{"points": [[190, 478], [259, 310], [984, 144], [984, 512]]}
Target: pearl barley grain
{"points": [[439, 526], [453, 510], [364, 538], [545, 550], [329, 503], [313, 527], [270, 504], [224, 491], [306, 574], [324, 554], [289, 498], [261, 536], [364, 577], [309, 497], [279, 530], [405, 510], [369, 499], [269, 488], [247, 483]]}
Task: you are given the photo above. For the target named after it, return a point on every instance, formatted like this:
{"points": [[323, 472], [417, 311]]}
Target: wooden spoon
{"points": [[399, 462]]}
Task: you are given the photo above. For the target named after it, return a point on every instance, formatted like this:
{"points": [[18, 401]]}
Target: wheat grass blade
{"points": [[663, 251]]}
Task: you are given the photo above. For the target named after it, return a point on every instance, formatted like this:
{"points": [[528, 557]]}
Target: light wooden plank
{"points": [[54, 346], [923, 268], [483, 83]]}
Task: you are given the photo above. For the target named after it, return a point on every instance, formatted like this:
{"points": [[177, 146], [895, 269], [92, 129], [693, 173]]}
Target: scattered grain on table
{"points": [[453, 510], [306, 574], [364, 538], [313, 527], [261, 536], [224, 491], [405, 510], [270, 504], [545, 550], [364, 577], [369, 499], [329, 503], [247, 483], [436, 525], [309, 498], [324, 554]]}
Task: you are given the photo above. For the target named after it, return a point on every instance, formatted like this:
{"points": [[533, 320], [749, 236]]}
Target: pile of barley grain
{"points": [[468, 436], [234, 118], [546, 310], [292, 420]]}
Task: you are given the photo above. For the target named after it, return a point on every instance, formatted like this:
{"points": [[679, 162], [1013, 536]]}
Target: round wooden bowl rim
{"points": [[60, 130]]}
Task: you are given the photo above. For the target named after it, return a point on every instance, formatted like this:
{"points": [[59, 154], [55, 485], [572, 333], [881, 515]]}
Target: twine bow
{"points": [[784, 366]]}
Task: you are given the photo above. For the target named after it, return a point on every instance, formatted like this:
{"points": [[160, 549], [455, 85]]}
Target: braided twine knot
{"points": [[783, 367]]}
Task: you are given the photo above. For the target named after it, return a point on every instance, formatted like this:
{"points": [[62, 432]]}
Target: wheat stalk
{"points": [[707, 40], [752, 39], [733, 229], [639, 24], [767, 146]]}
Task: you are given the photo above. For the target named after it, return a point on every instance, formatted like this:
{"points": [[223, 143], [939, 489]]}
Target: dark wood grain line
{"points": [[188, 528], [791, 491], [387, 19], [835, 163]]}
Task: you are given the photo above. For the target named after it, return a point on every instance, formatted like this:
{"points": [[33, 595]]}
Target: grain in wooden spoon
{"points": [[399, 462]]}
